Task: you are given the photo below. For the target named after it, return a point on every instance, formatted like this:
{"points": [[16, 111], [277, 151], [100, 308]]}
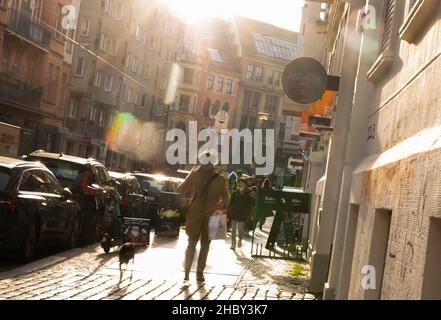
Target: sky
{"points": [[282, 13]]}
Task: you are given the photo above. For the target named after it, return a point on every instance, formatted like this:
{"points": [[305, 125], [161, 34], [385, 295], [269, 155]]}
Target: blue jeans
{"points": [[238, 227]]}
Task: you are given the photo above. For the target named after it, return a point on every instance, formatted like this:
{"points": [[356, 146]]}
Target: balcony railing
{"points": [[23, 25], [18, 91]]}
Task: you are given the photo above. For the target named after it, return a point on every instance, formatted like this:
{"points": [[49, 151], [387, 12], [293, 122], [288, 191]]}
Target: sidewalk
{"points": [[89, 274]]}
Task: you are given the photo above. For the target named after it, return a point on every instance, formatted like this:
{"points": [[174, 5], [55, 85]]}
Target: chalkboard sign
{"points": [[137, 231], [267, 201], [168, 221], [287, 228]]}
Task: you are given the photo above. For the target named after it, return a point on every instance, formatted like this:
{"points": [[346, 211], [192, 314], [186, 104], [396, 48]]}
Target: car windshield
{"points": [[4, 178], [68, 174], [157, 185]]}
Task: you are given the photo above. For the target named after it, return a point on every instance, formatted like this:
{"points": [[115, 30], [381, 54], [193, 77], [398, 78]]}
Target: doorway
{"points": [[378, 250]]}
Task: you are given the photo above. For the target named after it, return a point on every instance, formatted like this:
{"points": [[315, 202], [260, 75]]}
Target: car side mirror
{"points": [[66, 193]]}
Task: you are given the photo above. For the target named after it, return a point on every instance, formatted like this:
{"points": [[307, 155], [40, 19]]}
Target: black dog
{"points": [[126, 252]]}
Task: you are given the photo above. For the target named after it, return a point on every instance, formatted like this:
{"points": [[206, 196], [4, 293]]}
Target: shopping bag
{"points": [[217, 226]]}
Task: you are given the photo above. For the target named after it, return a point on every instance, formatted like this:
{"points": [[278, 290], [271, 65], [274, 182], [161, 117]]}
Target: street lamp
{"points": [[264, 116]]}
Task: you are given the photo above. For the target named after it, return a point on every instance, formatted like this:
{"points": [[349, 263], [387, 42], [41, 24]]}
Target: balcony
{"points": [[19, 92], [189, 58], [23, 25]]}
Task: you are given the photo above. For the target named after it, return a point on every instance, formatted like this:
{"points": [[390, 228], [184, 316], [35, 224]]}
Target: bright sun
{"points": [[283, 13], [197, 10]]}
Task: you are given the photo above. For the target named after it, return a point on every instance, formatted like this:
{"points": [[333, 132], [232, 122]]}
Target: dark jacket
{"points": [[240, 206]]}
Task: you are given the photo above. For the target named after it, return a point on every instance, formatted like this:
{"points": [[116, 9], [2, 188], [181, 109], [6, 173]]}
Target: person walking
{"points": [[240, 206], [206, 189], [266, 185]]}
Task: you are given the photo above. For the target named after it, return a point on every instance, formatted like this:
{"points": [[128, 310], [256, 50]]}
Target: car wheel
{"points": [[29, 242], [73, 239]]}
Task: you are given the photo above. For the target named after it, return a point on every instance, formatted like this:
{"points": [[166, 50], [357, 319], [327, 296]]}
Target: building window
{"points": [[259, 73], [92, 114], [104, 44], [229, 89], [108, 7], [58, 34], [130, 96], [210, 82], [272, 103], [250, 72], [98, 78], [113, 47], [85, 26], [119, 11], [226, 107], [247, 100], [137, 33], [206, 111], [387, 35], [127, 60], [134, 64], [184, 103], [216, 108], [220, 84], [188, 76], [72, 113], [148, 72], [418, 14], [51, 86], [101, 119], [111, 119], [143, 101], [270, 77], [256, 101], [387, 40], [5, 58], [108, 83], [277, 79], [282, 132]]}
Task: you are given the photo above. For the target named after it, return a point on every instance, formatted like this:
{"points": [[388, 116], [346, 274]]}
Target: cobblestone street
{"points": [[89, 274]]}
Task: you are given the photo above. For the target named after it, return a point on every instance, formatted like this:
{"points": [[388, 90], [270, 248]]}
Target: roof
{"points": [[10, 163], [159, 177], [118, 175], [216, 41], [263, 39], [63, 157]]}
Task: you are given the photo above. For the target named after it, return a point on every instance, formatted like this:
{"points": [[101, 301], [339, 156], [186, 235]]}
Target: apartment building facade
{"points": [[220, 78], [264, 51], [107, 104], [385, 225], [34, 71]]}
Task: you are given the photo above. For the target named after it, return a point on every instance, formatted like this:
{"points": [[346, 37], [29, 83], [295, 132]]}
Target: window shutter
{"points": [[388, 23]]}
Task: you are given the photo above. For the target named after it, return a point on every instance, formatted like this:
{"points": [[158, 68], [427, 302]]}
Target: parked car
{"points": [[158, 187], [134, 203], [35, 210], [91, 185]]}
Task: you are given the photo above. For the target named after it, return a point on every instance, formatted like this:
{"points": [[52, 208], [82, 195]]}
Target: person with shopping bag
{"points": [[239, 208], [206, 191]]}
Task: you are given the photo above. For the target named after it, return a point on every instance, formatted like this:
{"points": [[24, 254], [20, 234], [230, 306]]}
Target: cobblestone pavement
{"points": [[89, 274]]}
